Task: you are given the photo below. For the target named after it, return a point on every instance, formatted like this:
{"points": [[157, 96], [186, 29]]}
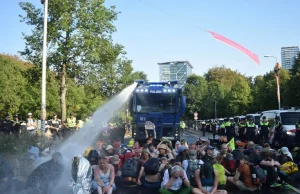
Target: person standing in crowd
{"points": [[297, 136], [242, 126], [214, 128], [71, 125], [250, 130], [55, 127], [6, 126], [264, 129], [16, 125], [278, 133], [182, 126], [31, 124], [229, 129]]}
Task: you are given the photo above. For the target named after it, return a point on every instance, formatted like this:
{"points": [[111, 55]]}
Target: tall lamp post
{"points": [[44, 66], [277, 69]]}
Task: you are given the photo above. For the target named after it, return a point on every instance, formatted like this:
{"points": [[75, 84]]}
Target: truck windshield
{"points": [[155, 102], [290, 118]]}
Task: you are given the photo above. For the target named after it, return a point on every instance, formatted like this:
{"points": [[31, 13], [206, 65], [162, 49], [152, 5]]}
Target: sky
{"points": [[155, 31]]}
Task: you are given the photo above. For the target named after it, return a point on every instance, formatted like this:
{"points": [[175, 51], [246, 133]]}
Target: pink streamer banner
{"points": [[223, 39]]}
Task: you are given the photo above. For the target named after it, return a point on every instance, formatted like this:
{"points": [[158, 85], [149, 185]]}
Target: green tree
{"points": [[12, 84], [292, 93], [79, 37], [265, 90], [196, 91]]}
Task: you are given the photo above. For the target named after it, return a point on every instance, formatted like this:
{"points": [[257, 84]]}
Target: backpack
{"points": [[193, 165], [258, 174], [151, 166], [129, 168]]}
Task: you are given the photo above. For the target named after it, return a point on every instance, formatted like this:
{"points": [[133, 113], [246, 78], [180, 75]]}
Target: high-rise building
{"points": [[288, 55], [175, 71]]}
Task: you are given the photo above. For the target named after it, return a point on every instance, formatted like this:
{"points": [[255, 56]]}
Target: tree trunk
{"points": [[63, 91]]}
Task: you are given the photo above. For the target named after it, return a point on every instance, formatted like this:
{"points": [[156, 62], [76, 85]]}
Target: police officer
{"points": [[80, 123], [242, 128], [250, 130], [297, 137], [278, 133], [203, 127], [264, 129], [55, 126], [182, 126], [16, 125], [6, 125], [71, 124], [222, 128], [229, 129], [214, 128], [208, 127]]}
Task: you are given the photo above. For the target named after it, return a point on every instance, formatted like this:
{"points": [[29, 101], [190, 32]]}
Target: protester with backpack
{"points": [[243, 176], [191, 165], [207, 180], [152, 170]]}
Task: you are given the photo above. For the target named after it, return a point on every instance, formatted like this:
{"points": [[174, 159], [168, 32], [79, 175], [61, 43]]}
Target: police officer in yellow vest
{"points": [[214, 128], [250, 130], [264, 129], [229, 129], [71, 124], [55, 126], [242, 126], [182, 126], [80, 124], [298, 132], [222, 129], [278, 133]]}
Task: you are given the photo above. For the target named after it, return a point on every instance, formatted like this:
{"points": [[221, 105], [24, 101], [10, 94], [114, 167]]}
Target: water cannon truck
{"points": [[161, 103]]}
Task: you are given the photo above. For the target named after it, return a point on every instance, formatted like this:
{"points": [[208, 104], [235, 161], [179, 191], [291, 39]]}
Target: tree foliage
{"points": [[81, 51]]}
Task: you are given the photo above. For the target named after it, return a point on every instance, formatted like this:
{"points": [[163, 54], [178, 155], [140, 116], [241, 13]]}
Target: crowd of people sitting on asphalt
{"points": [[195, 168]]}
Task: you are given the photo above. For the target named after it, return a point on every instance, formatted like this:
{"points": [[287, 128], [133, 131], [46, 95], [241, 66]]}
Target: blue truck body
{"points": [[163, 104]]}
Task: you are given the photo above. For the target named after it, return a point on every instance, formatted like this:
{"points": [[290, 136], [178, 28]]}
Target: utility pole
{"points": [[44, 66]]}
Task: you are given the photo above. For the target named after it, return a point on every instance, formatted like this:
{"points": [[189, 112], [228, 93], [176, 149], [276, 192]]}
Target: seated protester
{"points": [[183, 154], [243, 178], [209, 155], [152, 151], [81, 175], [116, 145], [104, 174], [109, 151], [207, 180], [137, 149], [270, 165], [175, 150], [285, 155], [175, 182], [117, 164], [193, 146], [255, 157], [152, 177], [93, 157], [144, 157], [221, 172], [164, 151], [227, 160], [191, 165], [250, 148]]}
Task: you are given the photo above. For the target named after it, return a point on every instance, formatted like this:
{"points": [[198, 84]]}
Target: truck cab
{"points": [[161, 103]]}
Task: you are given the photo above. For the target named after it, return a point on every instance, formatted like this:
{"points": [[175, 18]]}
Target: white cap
{"points": [[30, 114]]}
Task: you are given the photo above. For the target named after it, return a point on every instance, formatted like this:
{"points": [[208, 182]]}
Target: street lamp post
{"points": [[277, 80], [44, 66]]}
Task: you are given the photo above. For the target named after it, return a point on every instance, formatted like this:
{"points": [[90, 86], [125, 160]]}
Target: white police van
{"points": [[288, 119]]}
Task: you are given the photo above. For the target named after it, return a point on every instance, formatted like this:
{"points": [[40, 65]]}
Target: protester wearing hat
{"points": [[117, 164], [109, 151], [255, 157], [192, 157], [164, 151], [183, 153], [31, 124], [209, 155], [285, 156]]}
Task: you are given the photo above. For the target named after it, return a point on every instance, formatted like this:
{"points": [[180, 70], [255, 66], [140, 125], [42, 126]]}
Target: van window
{"points": [[256, 120], [290, 118]]}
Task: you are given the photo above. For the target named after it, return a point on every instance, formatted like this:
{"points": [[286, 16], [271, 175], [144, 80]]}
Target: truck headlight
{"points": [[176, 134], [134, 133], [289, 133]]}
